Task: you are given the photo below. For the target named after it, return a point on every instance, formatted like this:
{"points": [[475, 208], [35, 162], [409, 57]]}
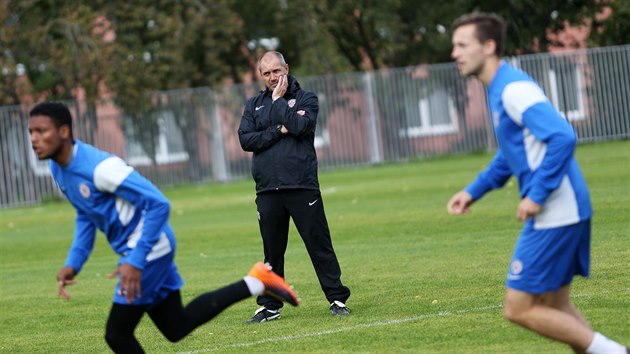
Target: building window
{"points": [[433, 114], [561, 77], [169, 143], [39, 167], [565, 81], [322, 138]]}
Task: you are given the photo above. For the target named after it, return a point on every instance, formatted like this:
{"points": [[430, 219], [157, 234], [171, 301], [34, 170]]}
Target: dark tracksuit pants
{"points": [[306, 208]]}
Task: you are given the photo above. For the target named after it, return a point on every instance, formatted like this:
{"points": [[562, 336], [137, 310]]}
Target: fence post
{"points": [[374, 142], [219, 154], [491, 138]]}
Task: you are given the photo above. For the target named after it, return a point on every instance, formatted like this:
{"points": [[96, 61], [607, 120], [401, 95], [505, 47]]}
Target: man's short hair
{"points": [[488, 26], [277, 54], [58, 112]]}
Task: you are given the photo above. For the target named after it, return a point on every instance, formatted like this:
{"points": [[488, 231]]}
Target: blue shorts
{"points": [[546, 260], [159, 278]]}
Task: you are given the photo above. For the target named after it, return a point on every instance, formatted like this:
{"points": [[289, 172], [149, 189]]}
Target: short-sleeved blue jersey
{"points": [[536, 145], [111, 196]]}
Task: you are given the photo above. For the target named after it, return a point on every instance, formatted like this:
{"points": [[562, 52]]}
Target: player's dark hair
{"points": [[488, 26], [58, 112]]}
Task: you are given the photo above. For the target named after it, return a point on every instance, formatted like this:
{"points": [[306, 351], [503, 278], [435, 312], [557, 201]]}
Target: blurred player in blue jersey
{"points": [[133, 214], [536, 145]]}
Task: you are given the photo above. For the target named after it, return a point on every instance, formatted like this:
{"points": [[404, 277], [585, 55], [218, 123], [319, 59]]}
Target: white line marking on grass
{"points": [[371, 324], [346, 329]]}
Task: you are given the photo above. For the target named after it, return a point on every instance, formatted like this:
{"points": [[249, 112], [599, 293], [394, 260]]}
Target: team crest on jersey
{"points": [[516, 267], [85, 190], [291, 103]]}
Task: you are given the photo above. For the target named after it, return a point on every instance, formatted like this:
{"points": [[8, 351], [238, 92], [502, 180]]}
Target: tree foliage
{"points": [[56, 47], [613, 29], [372, 34], [530, 22], [162, 44]]}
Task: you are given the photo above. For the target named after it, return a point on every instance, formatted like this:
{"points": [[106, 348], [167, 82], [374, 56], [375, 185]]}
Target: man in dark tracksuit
{"points": [[278, 126]]}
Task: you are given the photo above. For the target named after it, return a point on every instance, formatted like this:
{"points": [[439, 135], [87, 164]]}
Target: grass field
{"points": [[399, 251]]}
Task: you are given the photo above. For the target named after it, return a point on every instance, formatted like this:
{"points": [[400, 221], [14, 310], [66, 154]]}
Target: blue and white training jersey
{"points": [[536, 145], [111, 196]]}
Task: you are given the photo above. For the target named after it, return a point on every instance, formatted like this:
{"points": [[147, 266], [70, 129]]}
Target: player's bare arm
{"points": [[129, 281], [459, 203], [527, 208], [65, 276]]}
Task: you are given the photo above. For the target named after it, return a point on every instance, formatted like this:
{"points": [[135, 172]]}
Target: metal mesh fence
{"points": [[365, 118]]}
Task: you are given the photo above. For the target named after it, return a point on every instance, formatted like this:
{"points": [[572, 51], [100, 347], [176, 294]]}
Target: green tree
{"points": [[166, 45], [373, 34], [162, 44], [60, 49], [529, 22], [614, 27], [387, 33], [130, 49], [9, 93]]}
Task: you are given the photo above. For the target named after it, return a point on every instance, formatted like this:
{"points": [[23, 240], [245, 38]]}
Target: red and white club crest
{"points": [[291, 103]]}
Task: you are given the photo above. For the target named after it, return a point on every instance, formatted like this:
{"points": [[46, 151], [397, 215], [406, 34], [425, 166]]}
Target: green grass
{"points": [[398, 248]]}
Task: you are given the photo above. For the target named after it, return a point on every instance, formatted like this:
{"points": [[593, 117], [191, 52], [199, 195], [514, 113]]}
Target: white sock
{"points": [[603, 345], [255, 286]]}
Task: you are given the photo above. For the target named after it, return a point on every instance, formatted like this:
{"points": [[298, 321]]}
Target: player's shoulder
{"points": [[513, 82], [508, 74], [110, 172], [99, 160], [89, 152]]}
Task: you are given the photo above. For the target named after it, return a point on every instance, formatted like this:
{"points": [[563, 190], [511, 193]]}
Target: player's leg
{"points": [[537, 297], [561, 300], [600, 343], [539, 314], [307, 210], [176, 321], [273, 220], [159, 278], [535, 313], [121, 324]]}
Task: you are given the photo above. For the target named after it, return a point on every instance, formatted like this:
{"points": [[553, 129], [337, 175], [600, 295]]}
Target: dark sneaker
{"points": [[274, 284], [338, 308], [264, 315]]}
